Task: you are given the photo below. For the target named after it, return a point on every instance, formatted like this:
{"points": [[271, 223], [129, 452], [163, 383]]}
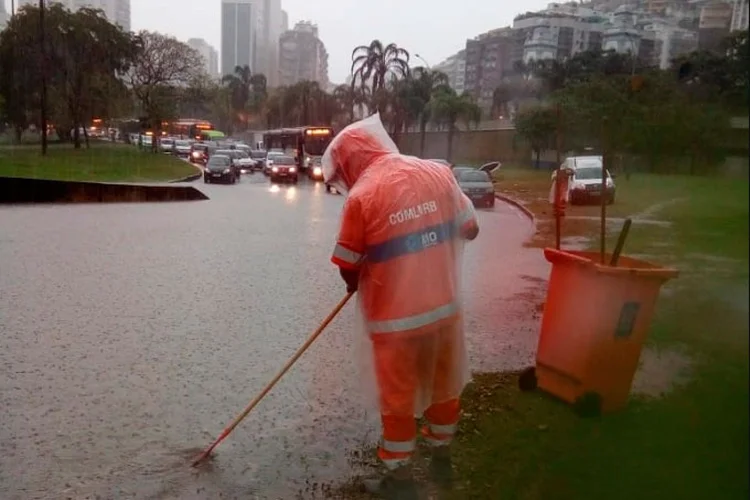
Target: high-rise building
{"points": [[302, 56], [284, 21], [237, 35], [739, 15], [117, 11], [455, 69], [209, 55], [489, 58]]}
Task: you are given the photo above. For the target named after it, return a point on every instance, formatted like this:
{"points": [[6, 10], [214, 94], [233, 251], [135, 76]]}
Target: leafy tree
{"points": [[537, 126], [447, 108], [349, 98], [163, 64]]}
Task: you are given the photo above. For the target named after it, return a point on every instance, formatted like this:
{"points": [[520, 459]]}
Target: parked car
{"points": [[315, 169], [585, 183], [219, 169], [284, 168], [270, 158], [457, 169], [259, 159], [477, 186]]}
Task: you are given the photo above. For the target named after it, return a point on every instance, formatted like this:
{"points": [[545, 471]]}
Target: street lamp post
{"points": [[423, 60], [43, 100]]}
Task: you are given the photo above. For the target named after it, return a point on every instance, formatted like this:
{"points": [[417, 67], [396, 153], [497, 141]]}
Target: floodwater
{"points": [[131, 334]]}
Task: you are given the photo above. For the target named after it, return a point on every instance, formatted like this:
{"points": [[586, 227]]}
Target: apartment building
{"points": [[455, 68], [209, 55], [489, 58], [302, 55]]}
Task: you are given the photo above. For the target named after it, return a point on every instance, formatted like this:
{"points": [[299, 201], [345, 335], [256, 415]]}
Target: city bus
{"points": [[188, 127], [306, 142]]}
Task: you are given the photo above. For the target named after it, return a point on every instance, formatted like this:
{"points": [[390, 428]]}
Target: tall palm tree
{"points": [[425, 82], [373, 65], [447, 108]]}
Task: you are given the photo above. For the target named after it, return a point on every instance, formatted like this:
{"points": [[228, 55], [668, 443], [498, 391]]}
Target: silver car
{"points": [[477, 186]]}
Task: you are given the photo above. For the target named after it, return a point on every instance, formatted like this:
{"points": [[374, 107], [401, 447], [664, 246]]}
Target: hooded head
{"points": [[353, 150]]}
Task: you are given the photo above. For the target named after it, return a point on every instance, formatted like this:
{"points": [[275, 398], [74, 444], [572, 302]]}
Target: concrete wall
{"points": [[21, 190], [475, 146]]}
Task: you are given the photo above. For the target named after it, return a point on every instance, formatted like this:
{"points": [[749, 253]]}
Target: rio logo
{"points": [[429, 239]]}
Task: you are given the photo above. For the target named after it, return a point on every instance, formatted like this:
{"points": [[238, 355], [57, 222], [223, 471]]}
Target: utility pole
{"points": [[43, 103]]}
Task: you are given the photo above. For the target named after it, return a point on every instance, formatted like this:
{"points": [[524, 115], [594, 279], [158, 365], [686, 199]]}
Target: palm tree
{"points": [[425, 82], [373, 65], [447, 108]]}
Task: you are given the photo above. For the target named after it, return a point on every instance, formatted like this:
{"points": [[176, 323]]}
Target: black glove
{"points": [[351, 278]]}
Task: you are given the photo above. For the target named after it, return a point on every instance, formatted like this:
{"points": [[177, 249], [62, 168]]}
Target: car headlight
{"points": [[275, 169], [577, 186], [317, 171], [292, 170], [307, 161], [227, 170]]}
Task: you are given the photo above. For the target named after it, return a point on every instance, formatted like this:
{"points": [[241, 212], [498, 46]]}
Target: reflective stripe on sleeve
{"points": [[416, 321], [399, 446], [346, 255], [445, 430]]}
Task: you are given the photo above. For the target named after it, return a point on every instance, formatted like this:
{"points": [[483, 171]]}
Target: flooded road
{"points": [[131, 334]]}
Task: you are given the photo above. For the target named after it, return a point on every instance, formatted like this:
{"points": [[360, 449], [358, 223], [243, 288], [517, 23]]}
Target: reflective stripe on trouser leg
{"points": [[399, 440], [442, 424]]}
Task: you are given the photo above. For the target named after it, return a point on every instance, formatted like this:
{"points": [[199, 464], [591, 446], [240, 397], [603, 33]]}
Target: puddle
{"points": [[661, 371]]}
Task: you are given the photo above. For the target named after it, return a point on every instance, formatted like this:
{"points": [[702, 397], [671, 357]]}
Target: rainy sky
{"points": [[434, 29]]}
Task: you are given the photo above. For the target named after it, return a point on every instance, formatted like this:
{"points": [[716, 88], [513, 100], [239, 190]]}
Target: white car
{"points": [[585, 183]]}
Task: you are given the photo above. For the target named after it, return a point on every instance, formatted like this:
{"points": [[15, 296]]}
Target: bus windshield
{"points": [[315, 146]]}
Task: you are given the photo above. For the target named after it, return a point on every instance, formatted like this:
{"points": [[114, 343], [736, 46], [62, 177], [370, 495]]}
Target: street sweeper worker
{"points": [[399, 246]]}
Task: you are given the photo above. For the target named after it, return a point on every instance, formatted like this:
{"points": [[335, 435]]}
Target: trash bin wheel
{"points": [[588, 405], [527, 380]]}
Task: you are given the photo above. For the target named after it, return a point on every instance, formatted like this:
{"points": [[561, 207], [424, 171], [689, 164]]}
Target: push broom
{"points": [[272, 383]]}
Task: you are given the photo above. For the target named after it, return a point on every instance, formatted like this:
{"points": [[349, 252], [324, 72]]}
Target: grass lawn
{"points": [[689, 440], [102, 162]]}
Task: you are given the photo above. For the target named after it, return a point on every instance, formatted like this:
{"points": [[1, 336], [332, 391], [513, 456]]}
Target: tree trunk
{"points": [[451, 131], [76, 135], [86, 138], [422, 136], [18, 130], [538, 155]]}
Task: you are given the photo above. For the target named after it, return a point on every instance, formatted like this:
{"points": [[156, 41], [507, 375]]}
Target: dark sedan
{"points": [[219, 169], [259, 157], [284, 169]]}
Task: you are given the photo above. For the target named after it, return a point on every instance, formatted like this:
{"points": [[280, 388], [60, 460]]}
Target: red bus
{"points": [[188, 127], [306, 142]]}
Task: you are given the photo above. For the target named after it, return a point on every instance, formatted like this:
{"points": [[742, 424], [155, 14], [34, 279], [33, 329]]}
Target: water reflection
{"points": [[274, 188], [291, 193]]}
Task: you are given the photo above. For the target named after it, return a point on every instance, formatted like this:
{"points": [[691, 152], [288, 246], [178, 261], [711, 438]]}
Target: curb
{"points": [[189, 178], [512, 201]]}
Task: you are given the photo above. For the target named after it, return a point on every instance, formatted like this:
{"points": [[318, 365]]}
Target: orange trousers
{"points": [[405, 366]]}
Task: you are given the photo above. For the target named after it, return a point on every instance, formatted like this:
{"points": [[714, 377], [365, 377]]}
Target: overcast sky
{"points": [[433, 29]]}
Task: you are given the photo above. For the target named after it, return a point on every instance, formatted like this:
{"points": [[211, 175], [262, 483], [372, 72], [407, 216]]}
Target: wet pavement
{"points": [[131, 334]]}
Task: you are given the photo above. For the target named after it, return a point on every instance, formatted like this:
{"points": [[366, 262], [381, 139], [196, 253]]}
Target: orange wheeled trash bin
{"points": [[596, 320]]}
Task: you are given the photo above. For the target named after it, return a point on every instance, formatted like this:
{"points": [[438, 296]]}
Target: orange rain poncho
{"points": [[403, 226]]}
